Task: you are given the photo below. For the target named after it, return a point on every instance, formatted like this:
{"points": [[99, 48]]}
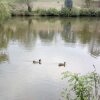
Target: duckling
{"points": [[35, 62], [62, 64]]}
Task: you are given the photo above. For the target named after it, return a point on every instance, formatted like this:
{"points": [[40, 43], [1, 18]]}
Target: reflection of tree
{"points": [[3, 57], [3, 44], [3, 38], [94, 47], [26, 31], [46, 36], [67, 34], [20, 30], [88, 35], [30, 36], [84, 34]]}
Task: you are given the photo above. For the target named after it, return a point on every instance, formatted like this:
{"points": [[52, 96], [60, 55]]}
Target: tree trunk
{"points": [[29, 8]]}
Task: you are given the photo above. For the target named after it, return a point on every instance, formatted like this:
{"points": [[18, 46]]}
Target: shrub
{"points": [[88, 12], [42, 12], [49, 12], [52, 12], [69, 12], [64, 12], [98, 12], [4, 9], [85, 87]]}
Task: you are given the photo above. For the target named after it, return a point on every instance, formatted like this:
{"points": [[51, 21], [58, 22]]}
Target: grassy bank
{"points": [[64, 12]]}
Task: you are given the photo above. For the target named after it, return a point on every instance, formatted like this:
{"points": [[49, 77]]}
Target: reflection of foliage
{"points": [[27, 30], [18, 29], [85, 87], [3, 39], [3, 44], [85, 34], [46, 36], [67, 34], [94, 48], [3, 57]]}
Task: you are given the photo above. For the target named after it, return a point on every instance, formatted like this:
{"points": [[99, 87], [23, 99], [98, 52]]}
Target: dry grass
{"points": [[47, 5]]}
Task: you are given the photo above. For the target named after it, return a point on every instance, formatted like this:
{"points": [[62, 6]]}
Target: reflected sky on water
{"points": [[54, 40]]}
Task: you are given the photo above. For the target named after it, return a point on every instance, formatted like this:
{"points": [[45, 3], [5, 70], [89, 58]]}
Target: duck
{"points": [[62, 64], [35, 62]]}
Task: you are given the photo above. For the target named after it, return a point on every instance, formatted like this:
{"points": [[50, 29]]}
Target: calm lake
{"points": [[53, 40]]}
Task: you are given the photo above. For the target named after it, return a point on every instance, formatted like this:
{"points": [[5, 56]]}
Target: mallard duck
{"points": [[35, 62], [62, 64]]}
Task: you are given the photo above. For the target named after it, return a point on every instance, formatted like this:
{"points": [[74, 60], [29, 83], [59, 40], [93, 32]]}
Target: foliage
{"points": [[4, 9], [49, 12], [3, 57], [85, 87], [88, 12], [69, 13], [64, 12], [52, 12]]}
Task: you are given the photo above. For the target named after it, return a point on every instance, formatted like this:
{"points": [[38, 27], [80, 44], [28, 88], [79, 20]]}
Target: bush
{"points": [[4, 9], [88, 12], [98, 12], [64, 12], [41, 12], [52, 12], [49, 12], [85, 87], [69, 12]]}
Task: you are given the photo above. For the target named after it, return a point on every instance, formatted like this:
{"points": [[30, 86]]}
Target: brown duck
{"points": [[37, 62], [62, 64]]}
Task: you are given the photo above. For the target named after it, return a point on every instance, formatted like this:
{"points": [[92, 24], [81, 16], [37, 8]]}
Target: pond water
{"points": [[53, 40]]}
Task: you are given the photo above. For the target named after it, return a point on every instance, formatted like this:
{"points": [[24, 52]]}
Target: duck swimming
{"points": [[62, 64], [37, 62]]}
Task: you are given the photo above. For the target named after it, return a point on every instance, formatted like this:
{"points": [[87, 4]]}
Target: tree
{"points": [[69, 4], [4, 9]]}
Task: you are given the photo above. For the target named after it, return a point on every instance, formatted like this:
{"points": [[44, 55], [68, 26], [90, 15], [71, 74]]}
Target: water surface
{"points": [[54, 40]]}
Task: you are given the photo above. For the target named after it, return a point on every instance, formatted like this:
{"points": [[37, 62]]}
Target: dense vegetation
{"points": [[6, 9], [65, 12], [84, 87]]}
